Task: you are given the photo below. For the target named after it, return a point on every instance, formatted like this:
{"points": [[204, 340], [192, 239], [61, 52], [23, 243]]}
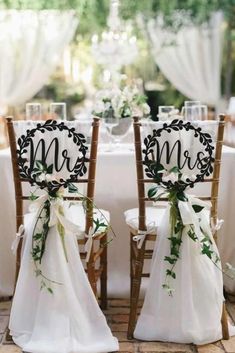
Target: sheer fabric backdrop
{"points": [[31, 43], [190, 58]]}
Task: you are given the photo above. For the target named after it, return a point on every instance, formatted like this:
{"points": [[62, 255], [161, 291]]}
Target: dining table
{"points": [[115, 191]]}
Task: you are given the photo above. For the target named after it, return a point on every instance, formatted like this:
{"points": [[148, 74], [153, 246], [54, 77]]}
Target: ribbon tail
{"points": [[16, 241], [15, 244], [88, 247]]}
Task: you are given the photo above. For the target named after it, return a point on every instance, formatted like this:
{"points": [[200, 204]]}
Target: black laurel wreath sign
{"points": [[153, 167], [25, 141]]}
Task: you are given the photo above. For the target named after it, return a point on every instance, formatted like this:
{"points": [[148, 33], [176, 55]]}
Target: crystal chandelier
{"points": [[117, 47]]}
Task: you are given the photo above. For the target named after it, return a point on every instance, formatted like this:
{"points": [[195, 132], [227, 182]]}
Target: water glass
{"points": [[58, 111], [165, 109], [191, 103], [200, 112], [33, 111], [188, 113], [193, 113]]}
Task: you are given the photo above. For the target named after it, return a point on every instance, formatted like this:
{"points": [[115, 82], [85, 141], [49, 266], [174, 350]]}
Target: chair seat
{"points": [[153, 218], [76, 214]]}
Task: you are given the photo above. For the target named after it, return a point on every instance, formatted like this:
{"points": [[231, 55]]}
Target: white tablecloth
{"points": [[116, 191]]}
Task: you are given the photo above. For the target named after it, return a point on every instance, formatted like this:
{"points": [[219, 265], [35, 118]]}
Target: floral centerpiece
{"points": [[121, 103]]}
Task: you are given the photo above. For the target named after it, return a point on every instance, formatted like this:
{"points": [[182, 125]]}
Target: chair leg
{"points": [[103, 278], [224, 323], [131, 264], [136, 282], [18, 262], [91, 275]]}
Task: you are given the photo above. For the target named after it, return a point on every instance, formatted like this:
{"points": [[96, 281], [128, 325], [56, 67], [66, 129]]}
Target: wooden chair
{"points": [[96, 267], [138, 255]]}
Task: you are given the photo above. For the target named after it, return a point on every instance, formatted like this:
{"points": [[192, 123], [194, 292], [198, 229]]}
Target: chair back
{"points": [[63, 151], [187, 146]]}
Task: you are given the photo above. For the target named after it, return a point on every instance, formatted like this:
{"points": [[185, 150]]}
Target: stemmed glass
{"points": [[33, 111], [111, 121], [58, 111]]}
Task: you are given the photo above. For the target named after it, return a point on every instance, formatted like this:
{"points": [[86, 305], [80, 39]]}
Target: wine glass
{"points": [[33, 111], [110, 121], [58, 111]]}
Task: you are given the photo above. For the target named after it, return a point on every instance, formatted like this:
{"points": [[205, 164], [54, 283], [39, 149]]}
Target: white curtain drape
{"points": [[31, 42], [190, 58]]}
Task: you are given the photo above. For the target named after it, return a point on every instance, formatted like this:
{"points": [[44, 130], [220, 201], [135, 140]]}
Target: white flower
{"points": [[170, 177], [146, 108], [99, 107], [50, 177], [46, 177], [190, 177], [184, 177], [42, 177], [137, 111]]}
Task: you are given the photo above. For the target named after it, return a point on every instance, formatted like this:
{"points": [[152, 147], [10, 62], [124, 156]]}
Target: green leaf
{"points": [[175, 241], [50, 169], [159, 167], [50, 290], [175, 252], [170, 273], [99, 224], [174, 170], [207, 251], [37, 236], [40, 166], [192, 235], [32, 196], [72, 188], [181, 196], [152, 192], [169, 259], [197, 208]]}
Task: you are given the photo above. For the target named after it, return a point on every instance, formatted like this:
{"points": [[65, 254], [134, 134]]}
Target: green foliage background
{"points": [[92, 16], [93, 13]]}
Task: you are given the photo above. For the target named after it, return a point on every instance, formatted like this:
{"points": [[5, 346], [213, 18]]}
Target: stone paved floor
{"points": [[117, 316]]}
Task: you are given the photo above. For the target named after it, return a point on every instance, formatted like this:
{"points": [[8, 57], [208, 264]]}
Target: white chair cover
{"points": [[68, 320], [193, 313]]}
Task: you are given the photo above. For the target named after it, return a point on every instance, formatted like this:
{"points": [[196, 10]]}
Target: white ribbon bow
{"points": [[141, 235], [55, 214], [19, 235], [188, 214], [216, 225], [88, 245]]}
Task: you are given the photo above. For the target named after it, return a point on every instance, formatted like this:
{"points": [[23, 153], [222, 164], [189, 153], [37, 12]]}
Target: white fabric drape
{"points": [[67, 321], [191, 58], [188, 316], [31, 42]]}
